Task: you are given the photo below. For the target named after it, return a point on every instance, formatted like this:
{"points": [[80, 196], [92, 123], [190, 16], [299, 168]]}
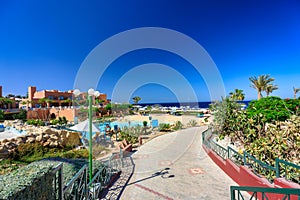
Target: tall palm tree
{"points": [[270, 88], [296, 90], [237, 95], [260, 83], [136, 99]]}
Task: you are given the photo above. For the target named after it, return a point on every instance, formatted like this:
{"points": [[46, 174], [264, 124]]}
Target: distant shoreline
{"points": [[200, 104]]}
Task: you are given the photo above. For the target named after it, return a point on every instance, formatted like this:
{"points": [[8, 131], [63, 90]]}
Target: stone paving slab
{"points": [[175, 166]]}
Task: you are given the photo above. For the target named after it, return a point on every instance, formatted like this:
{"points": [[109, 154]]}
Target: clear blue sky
{"points": [[43, 43]]}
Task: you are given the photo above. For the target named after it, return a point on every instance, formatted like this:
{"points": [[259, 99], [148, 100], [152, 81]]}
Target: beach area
{"points": [[128, 119], [165, 118]]}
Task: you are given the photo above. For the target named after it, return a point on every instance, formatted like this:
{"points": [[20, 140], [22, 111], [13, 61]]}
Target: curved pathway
{"points": [[175, 166]]}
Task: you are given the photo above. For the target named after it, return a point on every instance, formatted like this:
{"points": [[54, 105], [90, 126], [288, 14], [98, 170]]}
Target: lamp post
{"points": [[91, 93]]}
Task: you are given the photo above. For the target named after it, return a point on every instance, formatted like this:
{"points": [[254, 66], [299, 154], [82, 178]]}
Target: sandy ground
{"points": [[164, 118]]}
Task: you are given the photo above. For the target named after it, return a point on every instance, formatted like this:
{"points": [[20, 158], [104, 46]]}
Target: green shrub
{"points": [[28, 182], [271, 108], [36, 122], [293, 105], [130, 137], [54, 122], [2, 117], [145, 123], [192, 123], [21, 115], [267, 129], [164, 127], [30, 152], [178, 125]]}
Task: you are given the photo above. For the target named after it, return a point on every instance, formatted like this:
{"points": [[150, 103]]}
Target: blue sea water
{"points": [[202, 104]]}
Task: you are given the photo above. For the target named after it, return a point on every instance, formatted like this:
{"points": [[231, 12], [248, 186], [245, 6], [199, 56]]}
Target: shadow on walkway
{"points": [[117, 188]]}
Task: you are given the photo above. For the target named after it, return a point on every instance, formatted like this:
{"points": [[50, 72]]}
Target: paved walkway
{"points": [[175, 166]]}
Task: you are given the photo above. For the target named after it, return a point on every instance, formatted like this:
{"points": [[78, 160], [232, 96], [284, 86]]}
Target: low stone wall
{"points": [[46, 136]]}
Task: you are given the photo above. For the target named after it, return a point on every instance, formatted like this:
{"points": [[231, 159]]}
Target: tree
{"points": [[296, 90], [42, 101], [136, 99], [68, 101], [260, 83], [237, 95], [29, 102], [6, 102], [270, 88]]}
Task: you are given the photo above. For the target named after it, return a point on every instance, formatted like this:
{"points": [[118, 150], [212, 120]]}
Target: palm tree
{"points": [[48, 101], [136, 99], [237, 95], [260, 83], [68, 101], [6, 102], [42, 101], [270, 88], [29, 102], [2, 101], [296, 90]]}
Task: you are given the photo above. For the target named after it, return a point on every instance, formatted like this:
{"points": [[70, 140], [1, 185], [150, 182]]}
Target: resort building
{"points": [[52, 104], [54, 98], [8, 103]]}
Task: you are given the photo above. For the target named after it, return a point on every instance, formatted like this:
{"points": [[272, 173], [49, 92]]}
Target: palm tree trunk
{"points": [[258, 95]]}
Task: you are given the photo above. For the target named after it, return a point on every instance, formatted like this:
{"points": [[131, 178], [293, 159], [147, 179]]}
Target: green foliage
{"points": [[261, 83], [70, 166], [145, 123], [178, 125], [293, 105], [192, 123], [237, 95], [267, 129], [270, 108], [62, 120], [7, 166], [280, 140], [36, 122], [29, 182], [136, 99], [164, 127], [108, 106], [30, 152], [21, 115], [2, 115], [131, 134], [228, 117], [34, 181]]}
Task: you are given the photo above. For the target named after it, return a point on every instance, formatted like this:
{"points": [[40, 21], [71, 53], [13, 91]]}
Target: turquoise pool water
{"points": [[13, 130], [120, 125]]}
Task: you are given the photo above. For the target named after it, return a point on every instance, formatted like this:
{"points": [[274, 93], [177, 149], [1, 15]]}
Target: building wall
{"points": [[31, 91], [63, 112]]}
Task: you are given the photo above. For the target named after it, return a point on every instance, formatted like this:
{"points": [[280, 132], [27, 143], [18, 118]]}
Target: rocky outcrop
{"points": [[46, 136]]}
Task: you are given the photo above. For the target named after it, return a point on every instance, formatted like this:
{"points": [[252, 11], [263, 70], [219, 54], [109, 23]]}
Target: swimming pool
{"points": [[10, 129], [120, 125]]}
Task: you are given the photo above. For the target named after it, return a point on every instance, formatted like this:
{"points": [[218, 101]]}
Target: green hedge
{"points": [[34, 181], [29, 182]]}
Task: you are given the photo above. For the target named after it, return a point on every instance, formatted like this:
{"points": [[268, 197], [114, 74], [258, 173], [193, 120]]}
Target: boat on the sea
{"points": [[2, 128]]}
